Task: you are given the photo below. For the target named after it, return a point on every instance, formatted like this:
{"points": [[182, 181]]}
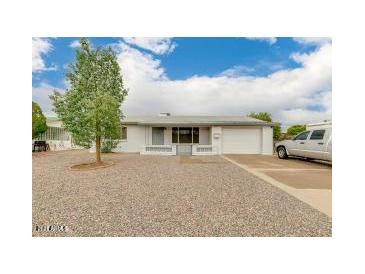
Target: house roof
{"points": [[194, 120]]}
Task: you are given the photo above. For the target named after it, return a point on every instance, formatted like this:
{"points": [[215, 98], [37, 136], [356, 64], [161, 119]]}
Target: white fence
{"points": [[159, 150], [204, 150]]}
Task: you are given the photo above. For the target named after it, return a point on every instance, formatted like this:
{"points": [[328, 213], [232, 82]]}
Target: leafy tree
{"points": [[39, 124], [90, 108], [264, 116], [295, 130]]}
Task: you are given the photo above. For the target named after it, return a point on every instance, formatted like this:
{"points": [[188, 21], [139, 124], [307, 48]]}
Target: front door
{"points": [[157, 136]]}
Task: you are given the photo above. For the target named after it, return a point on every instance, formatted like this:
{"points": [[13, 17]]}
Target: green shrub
{"points": [[108, 144]]}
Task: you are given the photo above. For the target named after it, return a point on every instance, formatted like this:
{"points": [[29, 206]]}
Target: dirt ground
{"points": [[163, 196]]}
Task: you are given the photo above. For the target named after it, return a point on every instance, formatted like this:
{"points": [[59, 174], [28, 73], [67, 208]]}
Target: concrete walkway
{"points": [[308, 181]]}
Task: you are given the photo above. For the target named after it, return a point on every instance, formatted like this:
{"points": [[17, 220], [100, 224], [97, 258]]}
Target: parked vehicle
{"points": [[313, 144]]}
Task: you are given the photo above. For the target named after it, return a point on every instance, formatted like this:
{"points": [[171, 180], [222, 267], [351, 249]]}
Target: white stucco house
{"points": [[167, 134]]}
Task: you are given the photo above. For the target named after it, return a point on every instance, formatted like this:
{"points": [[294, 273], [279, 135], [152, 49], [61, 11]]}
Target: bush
{"points": [[295, 130], [108, 144]]}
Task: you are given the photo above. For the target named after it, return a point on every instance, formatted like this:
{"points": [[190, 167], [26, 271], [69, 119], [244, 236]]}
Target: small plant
{"points": [[108, 144], [39, 124], [264, 116]]}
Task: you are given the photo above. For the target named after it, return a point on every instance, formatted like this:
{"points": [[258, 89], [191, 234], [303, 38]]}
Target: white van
{"points": [[315, 143]]}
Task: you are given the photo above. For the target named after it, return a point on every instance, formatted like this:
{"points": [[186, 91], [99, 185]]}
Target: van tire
{"points": [[282, 153]]}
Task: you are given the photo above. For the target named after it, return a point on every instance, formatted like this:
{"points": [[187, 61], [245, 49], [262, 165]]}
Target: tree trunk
{"points": [[97, 149]]}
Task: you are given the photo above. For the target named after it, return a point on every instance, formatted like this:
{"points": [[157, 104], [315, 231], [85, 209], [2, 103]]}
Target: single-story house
{"points": [[167, 134]]}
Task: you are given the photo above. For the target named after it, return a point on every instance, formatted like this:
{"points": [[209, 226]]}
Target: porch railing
{"points": [[159, 149], [204, 150]]}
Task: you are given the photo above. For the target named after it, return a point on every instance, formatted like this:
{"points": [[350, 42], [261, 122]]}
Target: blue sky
{"points": [[192, 56], [212, 74]]}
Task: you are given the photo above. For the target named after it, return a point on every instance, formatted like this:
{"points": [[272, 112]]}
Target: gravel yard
{"points": [[164, 196]]}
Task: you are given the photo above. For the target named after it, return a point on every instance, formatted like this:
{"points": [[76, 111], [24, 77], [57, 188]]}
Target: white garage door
{"points": [[241, 140]]}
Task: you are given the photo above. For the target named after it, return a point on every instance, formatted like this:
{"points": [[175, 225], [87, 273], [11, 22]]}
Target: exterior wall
{"points": [[267, 141], [136, 137], [56, 145], [216, 135], [148, 135], [168, 136]]}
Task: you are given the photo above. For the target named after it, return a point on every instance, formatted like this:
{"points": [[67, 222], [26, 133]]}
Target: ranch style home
{"points": [[167, 134]]}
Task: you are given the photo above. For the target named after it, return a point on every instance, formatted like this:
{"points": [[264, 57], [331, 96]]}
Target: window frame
{"points": [[196, 129], [126, 133], [322, 130], [306, 138]]}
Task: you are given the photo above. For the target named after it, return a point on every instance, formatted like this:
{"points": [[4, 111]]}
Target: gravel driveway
{"points": [[164, 196]]}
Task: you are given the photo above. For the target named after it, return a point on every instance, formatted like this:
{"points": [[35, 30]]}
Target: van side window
{"points": [[317, 134], [302, 136]]}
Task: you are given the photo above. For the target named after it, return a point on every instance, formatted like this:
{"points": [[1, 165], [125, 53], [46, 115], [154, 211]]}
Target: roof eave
{"points": [[199, 123]]}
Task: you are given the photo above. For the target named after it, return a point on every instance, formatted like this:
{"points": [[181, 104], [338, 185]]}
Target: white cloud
{"points": [[292, 95], [137, 66], [300, 95], [75, 44], [40, 47], [270, 40], [316, 41], [236, 71], [156, 45], [40, 94]]}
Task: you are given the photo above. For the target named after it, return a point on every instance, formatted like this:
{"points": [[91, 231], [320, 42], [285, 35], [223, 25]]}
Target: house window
{"points": [[175, 135], [196, 135], [185, 135], [124, 133]]}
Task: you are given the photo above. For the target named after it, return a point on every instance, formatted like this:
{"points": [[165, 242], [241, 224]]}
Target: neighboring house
{"points": [[56, 136], [195, 135]]}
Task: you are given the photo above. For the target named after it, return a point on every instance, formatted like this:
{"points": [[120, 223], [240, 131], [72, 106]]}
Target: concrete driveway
{"points": [[164, 196], [310, 181]]}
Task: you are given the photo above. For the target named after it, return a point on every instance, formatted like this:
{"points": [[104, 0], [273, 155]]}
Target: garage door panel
{"points": [[241, 140]]}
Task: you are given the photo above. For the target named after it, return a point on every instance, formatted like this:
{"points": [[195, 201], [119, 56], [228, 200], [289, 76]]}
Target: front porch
{"points": [[176, 149], [179, 141]]}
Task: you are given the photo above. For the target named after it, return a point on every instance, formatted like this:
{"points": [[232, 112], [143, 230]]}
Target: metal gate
{"points": [[184, 149]]}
